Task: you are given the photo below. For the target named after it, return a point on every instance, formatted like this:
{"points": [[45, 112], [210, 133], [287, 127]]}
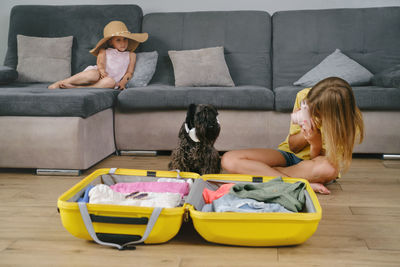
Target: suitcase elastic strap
{"points": [[89, 226]]}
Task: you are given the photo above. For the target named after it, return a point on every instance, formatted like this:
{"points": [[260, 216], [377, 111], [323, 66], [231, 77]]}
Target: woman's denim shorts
{"points": [[291, 159]]}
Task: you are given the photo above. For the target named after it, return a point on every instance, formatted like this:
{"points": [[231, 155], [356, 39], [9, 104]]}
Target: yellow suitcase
{"points": [[124, 226]]}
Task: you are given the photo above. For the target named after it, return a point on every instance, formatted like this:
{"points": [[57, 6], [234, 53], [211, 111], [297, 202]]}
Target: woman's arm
{"points": [[129, 71], [101, 63]]}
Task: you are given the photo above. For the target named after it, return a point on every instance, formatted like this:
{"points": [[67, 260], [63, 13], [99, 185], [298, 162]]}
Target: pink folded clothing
{"points": [[156, 187], [209, 195]]}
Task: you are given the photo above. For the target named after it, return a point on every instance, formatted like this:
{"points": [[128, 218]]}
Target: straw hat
{"points": [[118, 28]]}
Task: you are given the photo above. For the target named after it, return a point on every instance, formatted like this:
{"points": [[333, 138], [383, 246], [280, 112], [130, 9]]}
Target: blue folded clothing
{"points": [[232, 203], [85, 197]]}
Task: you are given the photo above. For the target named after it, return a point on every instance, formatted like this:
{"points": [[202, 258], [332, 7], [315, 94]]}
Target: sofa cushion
{"points": [[339, 65], [84, 22], [7, 74], [53, 55], [388, 78], [37, 100], [303, 38], [245, 36], [367, 98], [200, 67], [167, 97]]}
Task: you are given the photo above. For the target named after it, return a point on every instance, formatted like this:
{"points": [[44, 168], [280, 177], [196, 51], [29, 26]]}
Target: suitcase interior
{"points": [[116, 223], [252, 229], [122, 224]]}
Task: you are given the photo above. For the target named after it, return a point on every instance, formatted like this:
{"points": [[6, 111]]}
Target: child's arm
{"points": [[129, 72], [312, 135], [297, 142], [101, 63]]}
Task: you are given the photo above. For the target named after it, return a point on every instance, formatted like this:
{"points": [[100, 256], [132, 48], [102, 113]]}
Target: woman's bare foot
{"points": [[65, 85], [320, 188], [55, 85]]}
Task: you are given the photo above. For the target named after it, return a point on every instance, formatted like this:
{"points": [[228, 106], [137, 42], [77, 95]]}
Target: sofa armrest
{"points": [[7, 74]]}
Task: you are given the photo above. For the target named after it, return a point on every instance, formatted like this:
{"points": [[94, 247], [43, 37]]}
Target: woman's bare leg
{"points": [[81, 78], [253, 161]]}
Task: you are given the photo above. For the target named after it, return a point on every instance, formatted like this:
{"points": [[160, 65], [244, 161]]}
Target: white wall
{"points": [[150, 6]]}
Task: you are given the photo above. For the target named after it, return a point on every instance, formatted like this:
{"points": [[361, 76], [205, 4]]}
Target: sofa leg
{"points": [[58, 172], [391, 156], [140, 153]]}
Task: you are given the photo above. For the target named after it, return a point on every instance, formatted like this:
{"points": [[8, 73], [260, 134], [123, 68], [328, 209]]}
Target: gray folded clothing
{"points": [[289, 195]]}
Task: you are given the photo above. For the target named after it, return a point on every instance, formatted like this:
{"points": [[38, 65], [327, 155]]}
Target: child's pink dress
{"points": [[116, 64]]}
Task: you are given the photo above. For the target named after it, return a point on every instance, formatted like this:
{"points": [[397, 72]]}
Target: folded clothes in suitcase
{"points": [[121, 226]]}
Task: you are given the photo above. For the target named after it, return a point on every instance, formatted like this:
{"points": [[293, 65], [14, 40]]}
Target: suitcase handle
{"points": [[89, 227], [118, 220]]}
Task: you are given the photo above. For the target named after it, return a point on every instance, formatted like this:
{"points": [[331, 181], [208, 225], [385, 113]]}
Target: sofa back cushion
{"points": [[245, 36], [302, 39], [84, 22]]}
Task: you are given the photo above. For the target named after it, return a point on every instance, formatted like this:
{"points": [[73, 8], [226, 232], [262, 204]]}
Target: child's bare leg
{"points": [[317, 171], [55, 85], [320, 188], [81, 78], [253, 161], [106, 82]]}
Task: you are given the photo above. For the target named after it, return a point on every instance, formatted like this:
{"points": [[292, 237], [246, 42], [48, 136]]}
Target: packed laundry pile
{"points": [[165, 193], [273, 196]]}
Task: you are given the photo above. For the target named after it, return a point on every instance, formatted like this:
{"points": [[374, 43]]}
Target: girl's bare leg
{"points": [[270, 162], [106, 82], [253, 161], [81, 78], [317, 171]]}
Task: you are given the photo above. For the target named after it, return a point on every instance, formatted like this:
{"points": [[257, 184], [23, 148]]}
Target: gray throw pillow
{"points": [[145, 67], [388, 78], [339, 65], [202, 67], [43, 59], [7, 74]]}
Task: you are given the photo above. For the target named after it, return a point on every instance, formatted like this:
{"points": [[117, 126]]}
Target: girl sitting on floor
{"points": [[319, 149]]}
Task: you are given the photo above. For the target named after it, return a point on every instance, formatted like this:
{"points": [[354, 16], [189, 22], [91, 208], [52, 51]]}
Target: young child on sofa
{"points": [[316, 151], [115, 60]]}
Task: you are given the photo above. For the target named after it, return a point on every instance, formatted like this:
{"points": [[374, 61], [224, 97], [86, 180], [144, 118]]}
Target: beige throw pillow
{"points": [[43, 59], [202, 67]]}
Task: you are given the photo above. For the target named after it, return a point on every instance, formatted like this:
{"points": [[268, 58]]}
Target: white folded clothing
{"points": [[103, 194], [175, 180]]}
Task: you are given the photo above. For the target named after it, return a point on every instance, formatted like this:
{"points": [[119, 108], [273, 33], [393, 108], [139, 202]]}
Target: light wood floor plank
{"points": [[360, 225]]}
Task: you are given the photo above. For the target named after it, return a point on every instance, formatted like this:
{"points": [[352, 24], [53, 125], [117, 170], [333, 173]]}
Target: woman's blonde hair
{"points": [[333, 106]]}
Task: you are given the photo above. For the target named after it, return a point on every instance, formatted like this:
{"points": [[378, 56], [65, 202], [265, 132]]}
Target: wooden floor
{"points": [[360, 225]]}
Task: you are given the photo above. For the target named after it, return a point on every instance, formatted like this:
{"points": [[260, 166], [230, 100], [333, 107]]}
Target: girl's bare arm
{"points": [[129, 72], [313, 137], [297, 142], [101, 63]]}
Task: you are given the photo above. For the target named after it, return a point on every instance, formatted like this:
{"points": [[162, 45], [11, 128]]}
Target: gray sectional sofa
{"points": [[74, 129]]}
